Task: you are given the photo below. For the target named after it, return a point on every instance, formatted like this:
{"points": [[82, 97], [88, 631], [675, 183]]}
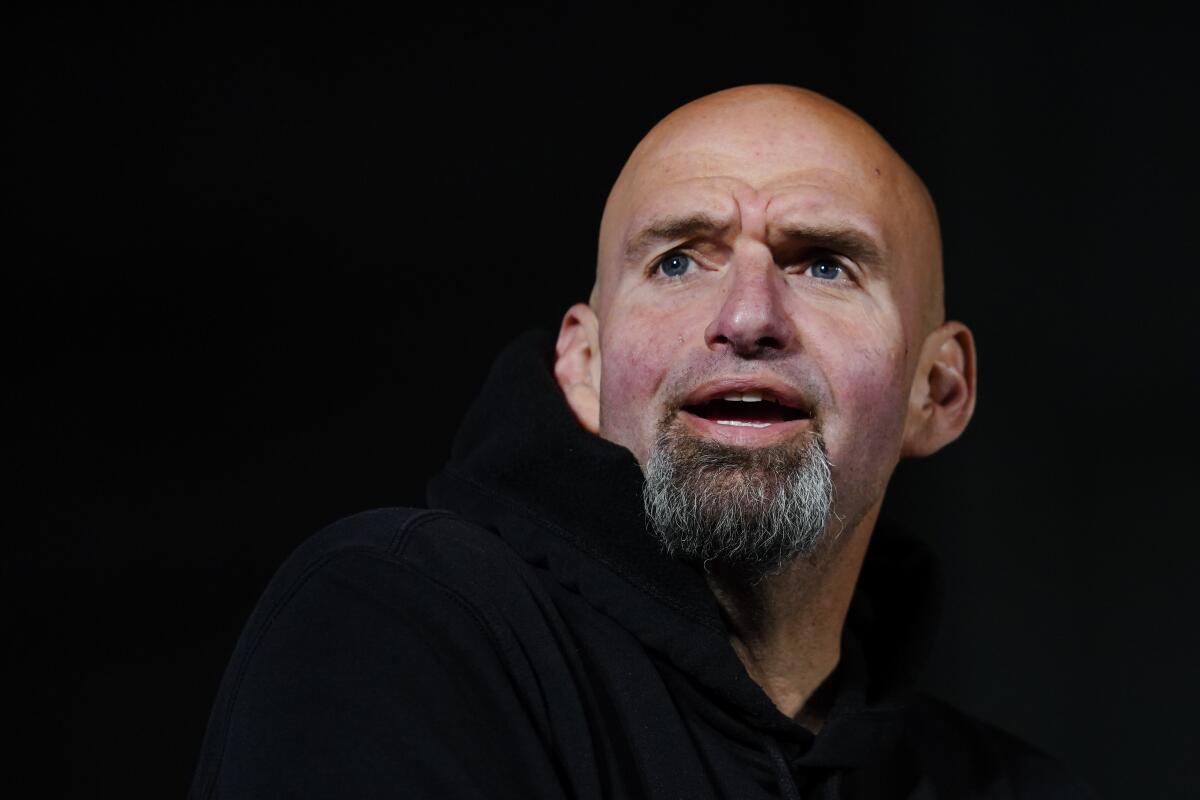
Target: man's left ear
{"points": [[943, 391]]}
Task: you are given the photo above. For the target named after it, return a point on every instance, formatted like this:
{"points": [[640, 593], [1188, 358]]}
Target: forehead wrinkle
{"points": [[678, 203], [673, 228], [795, 210]]}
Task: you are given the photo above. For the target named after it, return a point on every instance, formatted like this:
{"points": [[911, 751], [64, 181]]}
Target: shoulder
{"points": [[373, 627], [972, 757], [397, 569], [400, 534], [435, 549]]}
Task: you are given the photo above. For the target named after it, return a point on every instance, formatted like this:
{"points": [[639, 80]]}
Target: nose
{"points": [[752, 320]]}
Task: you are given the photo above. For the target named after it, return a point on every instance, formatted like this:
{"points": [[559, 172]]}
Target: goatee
{"points": [[749, 508]]}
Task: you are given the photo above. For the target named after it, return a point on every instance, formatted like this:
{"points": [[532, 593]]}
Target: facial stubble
{"points": [[753, 508]]}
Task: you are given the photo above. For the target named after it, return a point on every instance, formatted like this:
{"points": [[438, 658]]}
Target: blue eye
{"points": [[674, 264], [826, 269]]}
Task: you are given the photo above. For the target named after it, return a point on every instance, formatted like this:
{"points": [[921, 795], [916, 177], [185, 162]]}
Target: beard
{"points": [[754, 509]]}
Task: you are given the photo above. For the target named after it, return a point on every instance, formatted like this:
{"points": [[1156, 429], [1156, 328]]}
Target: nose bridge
{"points": [[752, 316]]}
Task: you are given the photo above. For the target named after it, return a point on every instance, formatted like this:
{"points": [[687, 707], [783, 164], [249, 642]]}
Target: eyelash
{"points": [[809, 259], [813, 261], [656, 264]]}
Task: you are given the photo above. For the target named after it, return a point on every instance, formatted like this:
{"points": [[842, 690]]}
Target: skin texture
{"points": [[852, 324]]}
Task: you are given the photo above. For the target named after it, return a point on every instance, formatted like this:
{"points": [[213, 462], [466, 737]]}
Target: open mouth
{"points": [[751, 409]]}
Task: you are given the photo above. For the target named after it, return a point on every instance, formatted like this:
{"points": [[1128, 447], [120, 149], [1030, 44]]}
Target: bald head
{"points": [[764, 136]]}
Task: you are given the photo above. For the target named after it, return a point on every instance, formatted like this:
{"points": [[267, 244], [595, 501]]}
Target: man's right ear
{"points": [[577, 364]]}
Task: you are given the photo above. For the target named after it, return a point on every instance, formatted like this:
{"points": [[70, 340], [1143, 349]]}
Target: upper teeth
{"points": [[744, 397]]}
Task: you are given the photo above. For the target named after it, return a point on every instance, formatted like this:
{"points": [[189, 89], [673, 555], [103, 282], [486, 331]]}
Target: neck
{"points": [[787, 628]]}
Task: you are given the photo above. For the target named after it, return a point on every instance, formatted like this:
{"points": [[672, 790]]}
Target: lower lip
{"points": [[745, 436]]}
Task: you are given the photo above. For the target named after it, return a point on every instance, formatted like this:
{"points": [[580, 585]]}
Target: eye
{"points": [[674, 264], [826, 268]]}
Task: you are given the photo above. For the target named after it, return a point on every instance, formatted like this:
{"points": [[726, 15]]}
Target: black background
{"points": [[263, 256]]}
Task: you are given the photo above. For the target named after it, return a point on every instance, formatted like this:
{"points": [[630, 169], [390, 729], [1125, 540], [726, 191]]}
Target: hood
{"points": [[571, 502]]}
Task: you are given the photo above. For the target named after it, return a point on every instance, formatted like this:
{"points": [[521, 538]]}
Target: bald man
{"points": [[647, 572]]}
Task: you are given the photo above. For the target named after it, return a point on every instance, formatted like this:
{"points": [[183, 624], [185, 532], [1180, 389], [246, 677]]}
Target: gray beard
{"points": [[751, 508]]}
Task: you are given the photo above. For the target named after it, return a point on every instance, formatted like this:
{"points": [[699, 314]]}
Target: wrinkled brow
{"points": [[847, 241], [850, 242], [673, 229]]}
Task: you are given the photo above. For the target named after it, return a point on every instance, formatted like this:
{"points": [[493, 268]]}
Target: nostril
{"points": [[747, 346], [769, 343]]}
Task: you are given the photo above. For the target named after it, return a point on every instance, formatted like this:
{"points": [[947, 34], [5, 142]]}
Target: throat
{"points": [[786, 629]]}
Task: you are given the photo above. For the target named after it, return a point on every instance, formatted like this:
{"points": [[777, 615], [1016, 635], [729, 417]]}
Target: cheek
{"points": [[870, 400], [634, 362], [874, 396]]}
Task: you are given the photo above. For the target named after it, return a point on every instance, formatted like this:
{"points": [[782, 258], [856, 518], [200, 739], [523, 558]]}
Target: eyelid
{"points": [[810, 257], [652, 268]]}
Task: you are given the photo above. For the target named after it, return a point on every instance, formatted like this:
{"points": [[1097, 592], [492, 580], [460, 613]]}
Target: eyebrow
{"points": [[672, 229], [850, 242]]}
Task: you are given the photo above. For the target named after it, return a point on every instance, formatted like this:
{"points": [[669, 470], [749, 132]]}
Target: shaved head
{"points": [[759, 127]]}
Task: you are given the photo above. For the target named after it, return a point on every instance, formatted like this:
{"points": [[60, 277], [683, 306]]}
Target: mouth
{"points": [[748, 408]]}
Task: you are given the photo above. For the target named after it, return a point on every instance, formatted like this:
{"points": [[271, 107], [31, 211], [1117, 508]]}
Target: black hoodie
{"points": [[532, 641]]}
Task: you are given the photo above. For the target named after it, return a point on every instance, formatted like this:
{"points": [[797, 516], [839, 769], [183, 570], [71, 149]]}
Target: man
{"points": [[653, 588]]}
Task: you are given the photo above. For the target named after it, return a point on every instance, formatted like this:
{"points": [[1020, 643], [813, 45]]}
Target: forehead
{"points": [[818, 196], [759, 142], [785, 171]]}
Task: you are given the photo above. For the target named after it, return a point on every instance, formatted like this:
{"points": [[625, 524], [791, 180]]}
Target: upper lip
{"points": [[771, 389]]}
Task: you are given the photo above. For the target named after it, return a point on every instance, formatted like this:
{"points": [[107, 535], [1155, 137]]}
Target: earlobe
{"points": [[577, 364], [942, 399]]}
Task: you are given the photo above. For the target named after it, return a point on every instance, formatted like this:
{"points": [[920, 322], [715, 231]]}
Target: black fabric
{"points": [[530, 640]]}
